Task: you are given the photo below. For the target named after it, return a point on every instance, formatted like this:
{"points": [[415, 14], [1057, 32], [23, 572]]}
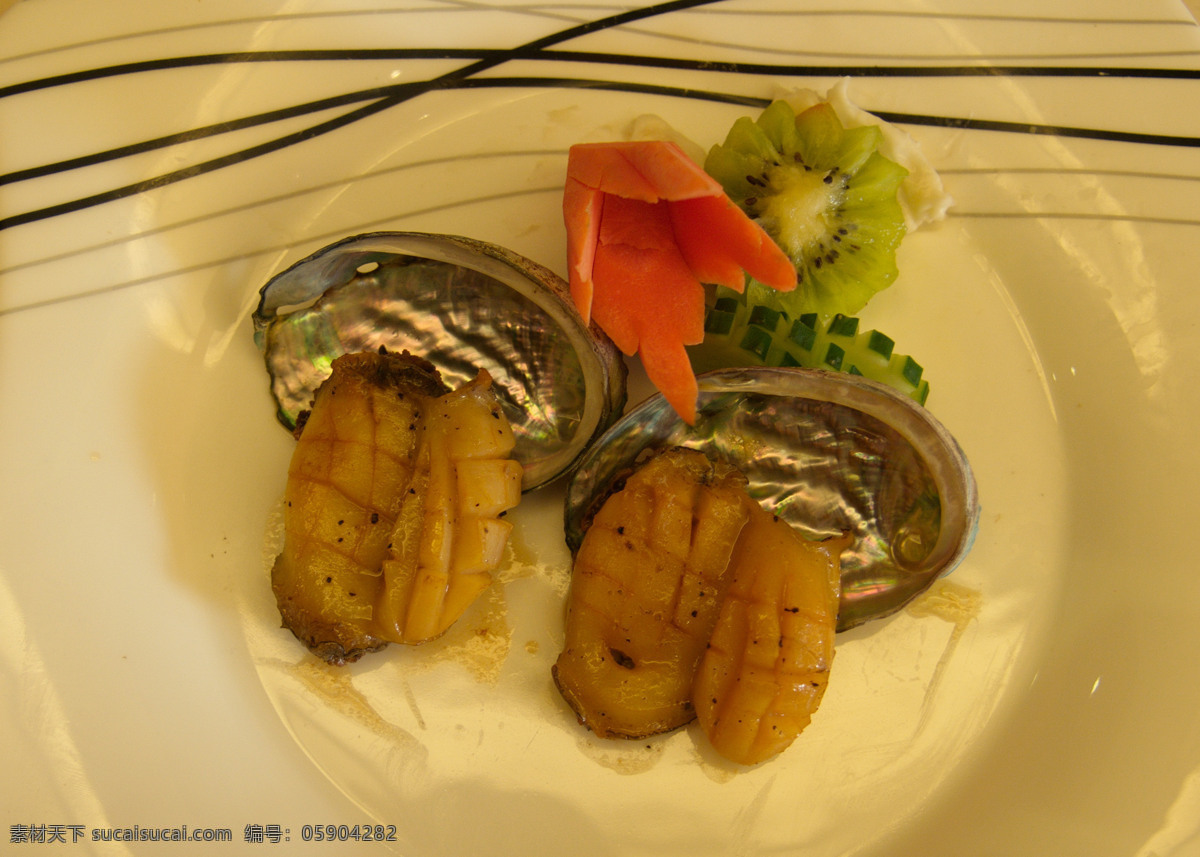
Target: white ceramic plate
{"points": [[144, 199]]}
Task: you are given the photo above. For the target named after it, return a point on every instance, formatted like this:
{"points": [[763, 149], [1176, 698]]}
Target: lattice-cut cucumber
{"points": [[738, 333]]}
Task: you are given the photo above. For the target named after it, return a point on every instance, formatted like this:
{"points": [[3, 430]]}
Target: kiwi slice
{"points": [[827, 197]]}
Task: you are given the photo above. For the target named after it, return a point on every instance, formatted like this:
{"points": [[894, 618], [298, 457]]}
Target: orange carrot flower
{"points": [[646, 228]]}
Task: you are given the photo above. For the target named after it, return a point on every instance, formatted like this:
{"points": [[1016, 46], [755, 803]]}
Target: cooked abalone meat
{"points": [[392, 506]]}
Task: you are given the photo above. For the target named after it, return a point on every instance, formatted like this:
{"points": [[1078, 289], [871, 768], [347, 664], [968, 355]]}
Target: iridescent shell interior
{"points": [[462, 304], [829, 452]]}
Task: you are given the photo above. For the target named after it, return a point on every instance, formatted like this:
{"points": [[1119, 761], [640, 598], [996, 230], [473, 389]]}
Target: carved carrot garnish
{"points": [[646, 228]]}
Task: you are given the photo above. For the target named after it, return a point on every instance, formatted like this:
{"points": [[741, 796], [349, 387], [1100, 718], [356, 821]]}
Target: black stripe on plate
{"points": [[382, 98]]}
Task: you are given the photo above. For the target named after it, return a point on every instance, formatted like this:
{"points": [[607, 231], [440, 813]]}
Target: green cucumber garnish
{"points": [[739, 332]]}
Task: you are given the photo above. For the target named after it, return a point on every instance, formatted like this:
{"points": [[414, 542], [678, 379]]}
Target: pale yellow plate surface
{"points": [[1044, 703]]}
